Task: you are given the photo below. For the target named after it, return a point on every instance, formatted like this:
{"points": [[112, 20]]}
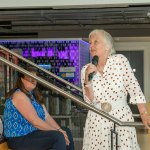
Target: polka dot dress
{"points": [[117, 80]]}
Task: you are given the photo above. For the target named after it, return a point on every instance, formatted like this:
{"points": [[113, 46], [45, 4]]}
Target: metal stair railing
{"points": [[70, 96]]}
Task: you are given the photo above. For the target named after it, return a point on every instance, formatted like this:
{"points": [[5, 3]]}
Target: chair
{"points": [[1, 130], [4, 146]]}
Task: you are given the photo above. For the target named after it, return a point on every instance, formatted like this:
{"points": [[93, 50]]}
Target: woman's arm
{"points": [[88, 90], [50, 120], [54, 124], [86, 84], [23, 105], [133, 87], [144, 115]]}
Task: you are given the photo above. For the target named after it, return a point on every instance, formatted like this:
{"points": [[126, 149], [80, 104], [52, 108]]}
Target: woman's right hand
{"points": [[65, 136], [90, 68]]}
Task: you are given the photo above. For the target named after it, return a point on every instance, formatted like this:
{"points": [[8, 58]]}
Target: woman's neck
{"points": [[102, 63]]}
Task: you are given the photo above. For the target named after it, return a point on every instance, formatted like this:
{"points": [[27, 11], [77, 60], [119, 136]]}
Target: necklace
{"points": [[100, 69]]}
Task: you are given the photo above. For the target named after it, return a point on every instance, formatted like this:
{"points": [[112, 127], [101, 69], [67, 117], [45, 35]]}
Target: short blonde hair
{"points": [[107, 38]]}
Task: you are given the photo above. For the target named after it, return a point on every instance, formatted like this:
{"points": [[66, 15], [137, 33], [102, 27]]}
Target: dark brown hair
{"points": [[19, 85]]}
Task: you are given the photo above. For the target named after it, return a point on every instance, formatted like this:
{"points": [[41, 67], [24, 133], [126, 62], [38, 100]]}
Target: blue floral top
{"points": [[15, 124]]}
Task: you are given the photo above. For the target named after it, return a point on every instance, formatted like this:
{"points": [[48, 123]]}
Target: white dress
{"points": [[117, 79]]}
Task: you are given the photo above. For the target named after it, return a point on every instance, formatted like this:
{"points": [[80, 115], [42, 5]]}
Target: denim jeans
{"points": [[42, 140], [38, 140]]}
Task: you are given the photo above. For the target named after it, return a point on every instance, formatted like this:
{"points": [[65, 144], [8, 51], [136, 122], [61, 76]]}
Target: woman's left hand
{"points": [[65, 136], [146, 120]]}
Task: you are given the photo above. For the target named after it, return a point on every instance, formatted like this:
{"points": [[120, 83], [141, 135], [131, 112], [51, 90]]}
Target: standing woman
{"points": [[27, 124], [107, 90]]}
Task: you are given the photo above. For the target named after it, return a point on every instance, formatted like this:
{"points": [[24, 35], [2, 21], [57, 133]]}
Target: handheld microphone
{"points": [[94, 62]]}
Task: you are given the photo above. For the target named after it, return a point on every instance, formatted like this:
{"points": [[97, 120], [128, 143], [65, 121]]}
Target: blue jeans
{"points": [[41, 140]]}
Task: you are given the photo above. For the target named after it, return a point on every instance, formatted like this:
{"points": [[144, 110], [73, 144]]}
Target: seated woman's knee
{"points": [[60, 136]]}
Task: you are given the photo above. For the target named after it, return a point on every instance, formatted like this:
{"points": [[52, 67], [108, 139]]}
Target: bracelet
{"points": [[59, 129], [143, 113], [87, 85]]}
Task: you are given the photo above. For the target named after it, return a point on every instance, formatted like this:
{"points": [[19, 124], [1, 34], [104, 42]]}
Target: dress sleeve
{"points": [[82, 84], [130, 82]]}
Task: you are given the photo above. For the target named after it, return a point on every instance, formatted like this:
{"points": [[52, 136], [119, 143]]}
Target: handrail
{"points": [[40, 68], [75, 99]]}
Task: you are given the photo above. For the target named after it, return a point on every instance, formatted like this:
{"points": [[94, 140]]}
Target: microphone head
{"points": [[95, 60]]}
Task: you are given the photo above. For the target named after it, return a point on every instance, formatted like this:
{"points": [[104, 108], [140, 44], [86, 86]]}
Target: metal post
{"points": [[113, 131], [112, 145]]}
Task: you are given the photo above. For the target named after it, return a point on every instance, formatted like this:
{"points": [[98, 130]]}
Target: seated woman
{"points": [[27, 124]]}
